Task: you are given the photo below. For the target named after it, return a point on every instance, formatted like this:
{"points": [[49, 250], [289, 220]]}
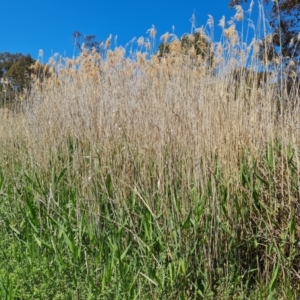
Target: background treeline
{"points": [[16, 73]]}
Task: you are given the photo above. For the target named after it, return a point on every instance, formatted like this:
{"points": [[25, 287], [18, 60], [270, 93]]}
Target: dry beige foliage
{"points": [[149, 105]]}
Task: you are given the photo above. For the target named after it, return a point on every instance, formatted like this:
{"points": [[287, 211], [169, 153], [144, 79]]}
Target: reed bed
{"points": [[148, 177]]}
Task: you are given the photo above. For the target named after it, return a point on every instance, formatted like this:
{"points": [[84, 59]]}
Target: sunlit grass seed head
{"points": [[152, 31], [269, 39], [165, 37], [141, 57], [222, 22], [141, 41], [108, 41], [175, 47], [239, 15], [231, 34], [210, 22]]}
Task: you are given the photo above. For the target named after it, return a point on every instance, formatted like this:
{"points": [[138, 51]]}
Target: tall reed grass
{"points": [[152, 177]]}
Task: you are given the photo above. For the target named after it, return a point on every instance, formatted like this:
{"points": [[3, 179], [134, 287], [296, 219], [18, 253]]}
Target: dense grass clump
{"points": [[212, 236], [152, 177]]}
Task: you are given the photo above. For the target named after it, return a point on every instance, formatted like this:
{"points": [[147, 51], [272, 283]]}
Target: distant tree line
{"points": [[16, 72]]}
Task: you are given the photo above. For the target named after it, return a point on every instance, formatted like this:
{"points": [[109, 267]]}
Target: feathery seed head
{"points": [[141, 59], [165, 37], [41, 53], [108, 41], [210, 21], [192, 52], [222, 22], [230, 32], [152, 31], [291, 63], [239, 15], [140, 41], [250, 7], [175, 47], [269, 39], [147, 44]]}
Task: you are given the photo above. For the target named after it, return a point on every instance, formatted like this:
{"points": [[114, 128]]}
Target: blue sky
{"points": [[27, 26]]}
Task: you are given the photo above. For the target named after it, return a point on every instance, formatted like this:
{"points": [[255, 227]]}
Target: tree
{"points": [[16, 69], [189, 43], [19, 73], [15, 74], [285, 22], [7, 60], [88, 41]]}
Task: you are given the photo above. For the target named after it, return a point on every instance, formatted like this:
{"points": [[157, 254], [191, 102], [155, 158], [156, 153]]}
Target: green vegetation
{"points": [[16, 74], [15, 68], [215, 238]]}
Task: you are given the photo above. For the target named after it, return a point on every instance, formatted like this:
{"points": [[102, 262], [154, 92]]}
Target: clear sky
{"points": [[27, 26]]}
